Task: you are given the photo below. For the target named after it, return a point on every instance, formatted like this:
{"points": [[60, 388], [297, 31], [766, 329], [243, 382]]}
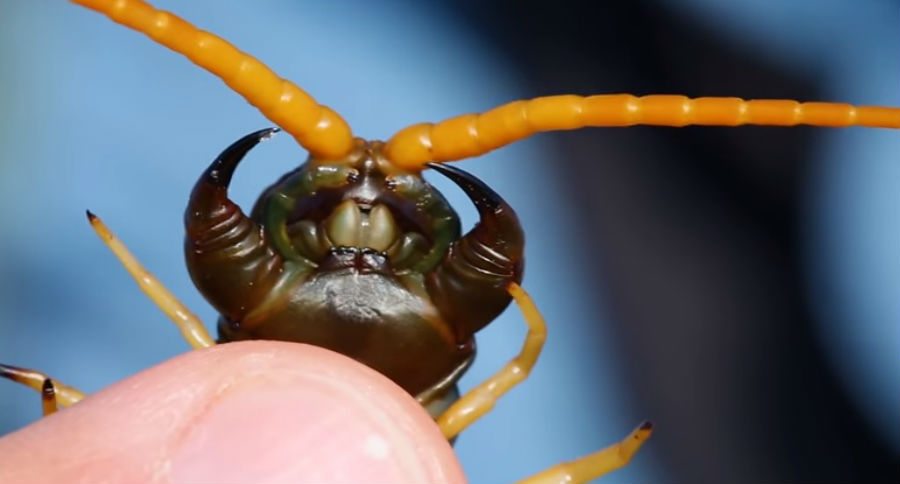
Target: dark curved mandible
{"points": [[222, 168], [225, 250], [469, 286]]}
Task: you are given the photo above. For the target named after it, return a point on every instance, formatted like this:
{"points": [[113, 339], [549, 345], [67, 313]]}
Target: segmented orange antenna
{"points": [[475, 134], [317, 128]]}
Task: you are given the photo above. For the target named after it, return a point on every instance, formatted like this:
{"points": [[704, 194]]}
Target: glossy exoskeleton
{"points": [[357, 256], [355, 252]]}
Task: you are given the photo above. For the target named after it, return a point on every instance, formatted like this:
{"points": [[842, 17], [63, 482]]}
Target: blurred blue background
{"points": [[664, 286]]}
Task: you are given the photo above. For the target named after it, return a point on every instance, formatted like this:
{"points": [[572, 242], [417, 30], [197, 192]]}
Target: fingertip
{"points": [[322, 419], [253, 412]]}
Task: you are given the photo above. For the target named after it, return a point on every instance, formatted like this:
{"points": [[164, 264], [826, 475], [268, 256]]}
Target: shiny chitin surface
{"points": [[359, 257], [472, 135], [316, 127]]}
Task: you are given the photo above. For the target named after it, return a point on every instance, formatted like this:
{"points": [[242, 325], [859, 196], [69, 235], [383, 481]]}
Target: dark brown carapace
{"points": [[357, 256], [354, 251]]}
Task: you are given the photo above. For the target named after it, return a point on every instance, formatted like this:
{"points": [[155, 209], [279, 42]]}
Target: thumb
{"points": [[254, 412]]}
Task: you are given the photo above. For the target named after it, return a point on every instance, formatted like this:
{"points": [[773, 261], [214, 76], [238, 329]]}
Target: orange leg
{"points": [[481, 399], [53, 393], [191, 327], [597, 464]]}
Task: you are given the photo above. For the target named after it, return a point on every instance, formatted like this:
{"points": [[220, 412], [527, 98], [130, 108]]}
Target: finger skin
{"points": [[261, 412]]}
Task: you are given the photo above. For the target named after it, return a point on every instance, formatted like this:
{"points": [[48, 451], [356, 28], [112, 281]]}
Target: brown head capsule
{"points": [[355, 252]]}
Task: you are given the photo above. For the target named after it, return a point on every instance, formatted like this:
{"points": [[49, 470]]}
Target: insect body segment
{"points": [[359, 257]]}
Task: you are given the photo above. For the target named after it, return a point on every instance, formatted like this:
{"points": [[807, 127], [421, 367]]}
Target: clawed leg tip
{"points": [[643, 432], [48, 397], [90, 216]]}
